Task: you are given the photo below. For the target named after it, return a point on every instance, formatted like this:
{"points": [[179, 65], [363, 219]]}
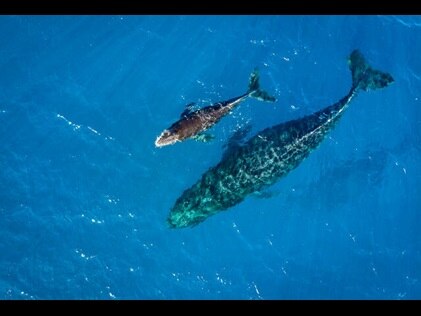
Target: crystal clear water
{"points": [[84, 193]]}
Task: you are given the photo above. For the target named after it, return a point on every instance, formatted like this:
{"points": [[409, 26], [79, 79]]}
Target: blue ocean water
{"points": [[84, 193]]}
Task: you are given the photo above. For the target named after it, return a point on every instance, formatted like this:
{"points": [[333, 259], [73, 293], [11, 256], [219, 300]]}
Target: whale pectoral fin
{"points": [[188, 109], [239, 135], [230, 148], [236, 140], [203, 137], [264, 194]]}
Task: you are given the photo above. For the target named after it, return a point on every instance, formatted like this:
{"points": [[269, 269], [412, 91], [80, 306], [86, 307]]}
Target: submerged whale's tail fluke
{"points": [[254, 88], [363, 76]]}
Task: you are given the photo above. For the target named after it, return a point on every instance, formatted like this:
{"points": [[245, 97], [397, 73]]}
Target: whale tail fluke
{"points": [[363, 76], [254, 88]]}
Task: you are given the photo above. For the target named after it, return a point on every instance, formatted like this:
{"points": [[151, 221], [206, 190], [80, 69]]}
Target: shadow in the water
{"points": [[350, 179]]}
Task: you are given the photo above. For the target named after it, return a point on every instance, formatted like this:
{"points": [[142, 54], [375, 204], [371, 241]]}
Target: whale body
{"points": [[192, 124]]}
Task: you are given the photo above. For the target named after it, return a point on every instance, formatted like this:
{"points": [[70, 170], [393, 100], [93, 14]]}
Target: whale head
{"points": [[193, 207], [187, 212], [166, 138]]}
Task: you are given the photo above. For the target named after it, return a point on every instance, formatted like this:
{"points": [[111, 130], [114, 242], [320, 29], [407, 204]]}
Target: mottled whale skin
{"points": [[269, 155], [192, 123]]}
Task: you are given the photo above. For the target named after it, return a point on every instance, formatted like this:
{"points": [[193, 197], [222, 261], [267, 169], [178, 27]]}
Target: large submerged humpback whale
{"points": [[269, 155], [192, 124]]}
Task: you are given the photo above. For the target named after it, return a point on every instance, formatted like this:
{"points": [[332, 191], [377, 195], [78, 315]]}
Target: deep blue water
{"points": [[84, 193]]}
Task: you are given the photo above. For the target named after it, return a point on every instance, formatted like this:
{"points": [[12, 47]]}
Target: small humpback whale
{"points": [[269, 155], [192, 123]]}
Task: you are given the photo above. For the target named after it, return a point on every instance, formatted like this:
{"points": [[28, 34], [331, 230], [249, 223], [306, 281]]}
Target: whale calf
{"points": [[192, 124], [271, 154]]}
